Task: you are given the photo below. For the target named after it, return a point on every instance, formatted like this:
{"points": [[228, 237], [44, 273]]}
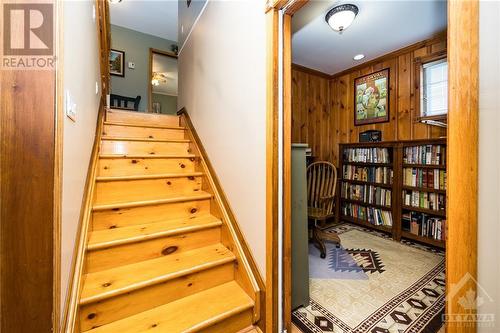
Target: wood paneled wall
{"points": [[323, 107]]}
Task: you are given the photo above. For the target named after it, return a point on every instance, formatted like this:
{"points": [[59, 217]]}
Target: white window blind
{"points": [[435, 88]]}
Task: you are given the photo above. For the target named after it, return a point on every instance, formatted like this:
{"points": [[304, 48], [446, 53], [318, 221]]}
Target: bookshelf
{"points": [[397, 187]]}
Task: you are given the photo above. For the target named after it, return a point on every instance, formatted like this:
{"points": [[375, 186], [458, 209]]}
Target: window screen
{"points": [[435, 88]]}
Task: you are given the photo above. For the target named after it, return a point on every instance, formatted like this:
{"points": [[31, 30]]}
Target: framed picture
{"points": [[117, 63], [371, 98]]}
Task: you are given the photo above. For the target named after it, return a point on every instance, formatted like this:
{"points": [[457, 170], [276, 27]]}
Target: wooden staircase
{"points": [[161, 252]]}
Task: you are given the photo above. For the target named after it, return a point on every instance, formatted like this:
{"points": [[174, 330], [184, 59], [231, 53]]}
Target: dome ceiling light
{"points": [[340, 17]]}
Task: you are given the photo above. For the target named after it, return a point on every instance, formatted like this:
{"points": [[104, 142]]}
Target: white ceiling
{"points": [[157, 18], [379, 28], [167, 66]]}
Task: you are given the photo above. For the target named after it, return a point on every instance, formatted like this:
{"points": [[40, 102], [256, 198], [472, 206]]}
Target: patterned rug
{"points": [[374, 284]]}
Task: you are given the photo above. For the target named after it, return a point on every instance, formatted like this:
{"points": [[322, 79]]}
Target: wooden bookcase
{"points": [[398, 165]]}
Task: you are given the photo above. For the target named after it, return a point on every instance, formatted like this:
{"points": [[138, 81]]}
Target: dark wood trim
{"points": [[150, 72], [227, 207], [311, 71]]}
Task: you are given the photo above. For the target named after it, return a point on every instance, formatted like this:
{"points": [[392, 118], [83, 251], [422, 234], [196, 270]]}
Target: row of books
{"points": [[367, 193], [367, 155], [372, 215], [425, 154], [372, 174], [422, 224], [429, 178], [420, 199]]}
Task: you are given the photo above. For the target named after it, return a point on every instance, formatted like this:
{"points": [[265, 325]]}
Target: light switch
{"points": [[131, 65], [70, 107]]}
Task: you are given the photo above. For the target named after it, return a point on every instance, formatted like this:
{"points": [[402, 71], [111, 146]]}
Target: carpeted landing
{"points": [[373, 284]]}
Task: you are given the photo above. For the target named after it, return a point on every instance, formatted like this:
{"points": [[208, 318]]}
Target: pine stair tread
{"points": [[176, 197], [151, 176], [128, 138], [188, 315], [106, 238], [119, 123], [106, 156], [123, 279]]}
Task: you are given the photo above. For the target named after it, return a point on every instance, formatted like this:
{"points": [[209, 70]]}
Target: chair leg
{"points": [[319, 242]]}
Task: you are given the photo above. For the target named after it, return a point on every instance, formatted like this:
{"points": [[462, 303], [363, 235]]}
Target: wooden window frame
{"points": [[463, 71], [419, 63]]}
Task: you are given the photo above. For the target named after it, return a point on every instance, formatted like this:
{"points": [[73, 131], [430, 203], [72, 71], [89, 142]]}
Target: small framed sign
{"points": [[371, 98], [117, 63]]}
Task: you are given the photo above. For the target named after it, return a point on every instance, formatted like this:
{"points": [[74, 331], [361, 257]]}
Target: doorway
{"points": [[462, 221], [163, 82]]}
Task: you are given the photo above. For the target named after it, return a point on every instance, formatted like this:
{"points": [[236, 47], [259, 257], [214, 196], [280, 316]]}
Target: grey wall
{"points": [[136, 46], [168, 103], [187, 16]]}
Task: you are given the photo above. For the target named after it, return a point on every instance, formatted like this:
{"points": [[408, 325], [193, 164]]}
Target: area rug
{"points": [[374, 284]]}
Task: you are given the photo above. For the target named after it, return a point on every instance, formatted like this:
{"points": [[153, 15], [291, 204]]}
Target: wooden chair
{"points": [[122, 102], [321, 185]]}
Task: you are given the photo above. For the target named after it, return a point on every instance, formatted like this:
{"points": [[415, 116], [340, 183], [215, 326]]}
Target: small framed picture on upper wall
{"points": [[371, 98], [117, 63]]}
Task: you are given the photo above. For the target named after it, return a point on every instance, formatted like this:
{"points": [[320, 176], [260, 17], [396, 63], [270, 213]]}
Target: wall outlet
{"points": [[131, 65], [70, 107]]}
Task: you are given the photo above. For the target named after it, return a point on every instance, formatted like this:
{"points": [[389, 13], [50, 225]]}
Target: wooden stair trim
{"points": [[181, 198], [77, 267], [228, 292], [119, 123], [139, 139], [153, 176], [245, 258], [93, 246], [138, 156], [161, 262]]}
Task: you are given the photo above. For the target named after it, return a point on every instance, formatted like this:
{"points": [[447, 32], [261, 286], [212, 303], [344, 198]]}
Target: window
{"points": [[434, 82]]}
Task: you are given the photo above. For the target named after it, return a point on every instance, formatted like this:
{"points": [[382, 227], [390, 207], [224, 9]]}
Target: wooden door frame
{"points": [[463, 59], [150, 72]]}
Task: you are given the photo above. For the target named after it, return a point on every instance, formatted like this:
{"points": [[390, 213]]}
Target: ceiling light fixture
{"points": [[358, 56], [341, 17], [115, 1]]}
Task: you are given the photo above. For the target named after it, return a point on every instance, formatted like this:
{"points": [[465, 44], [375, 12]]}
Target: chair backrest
{"points": [[123, 101], [321, 185]]}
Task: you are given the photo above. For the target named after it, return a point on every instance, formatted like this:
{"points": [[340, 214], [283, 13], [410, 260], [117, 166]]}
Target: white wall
{"points": [[81, 72], [489, 161], [222, 83]]}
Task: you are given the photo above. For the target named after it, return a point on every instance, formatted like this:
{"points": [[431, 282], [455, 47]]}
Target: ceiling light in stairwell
{"points": [[358, 56], [115, 1], [341, 17]]}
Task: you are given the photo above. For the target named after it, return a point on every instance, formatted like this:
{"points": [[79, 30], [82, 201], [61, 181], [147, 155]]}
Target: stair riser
{"points": [[123, 306], [99, 260], [143, 132], [148, 214], [231, 324], [145, 148], [144, 166], [142, 118], [145, 189]]}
